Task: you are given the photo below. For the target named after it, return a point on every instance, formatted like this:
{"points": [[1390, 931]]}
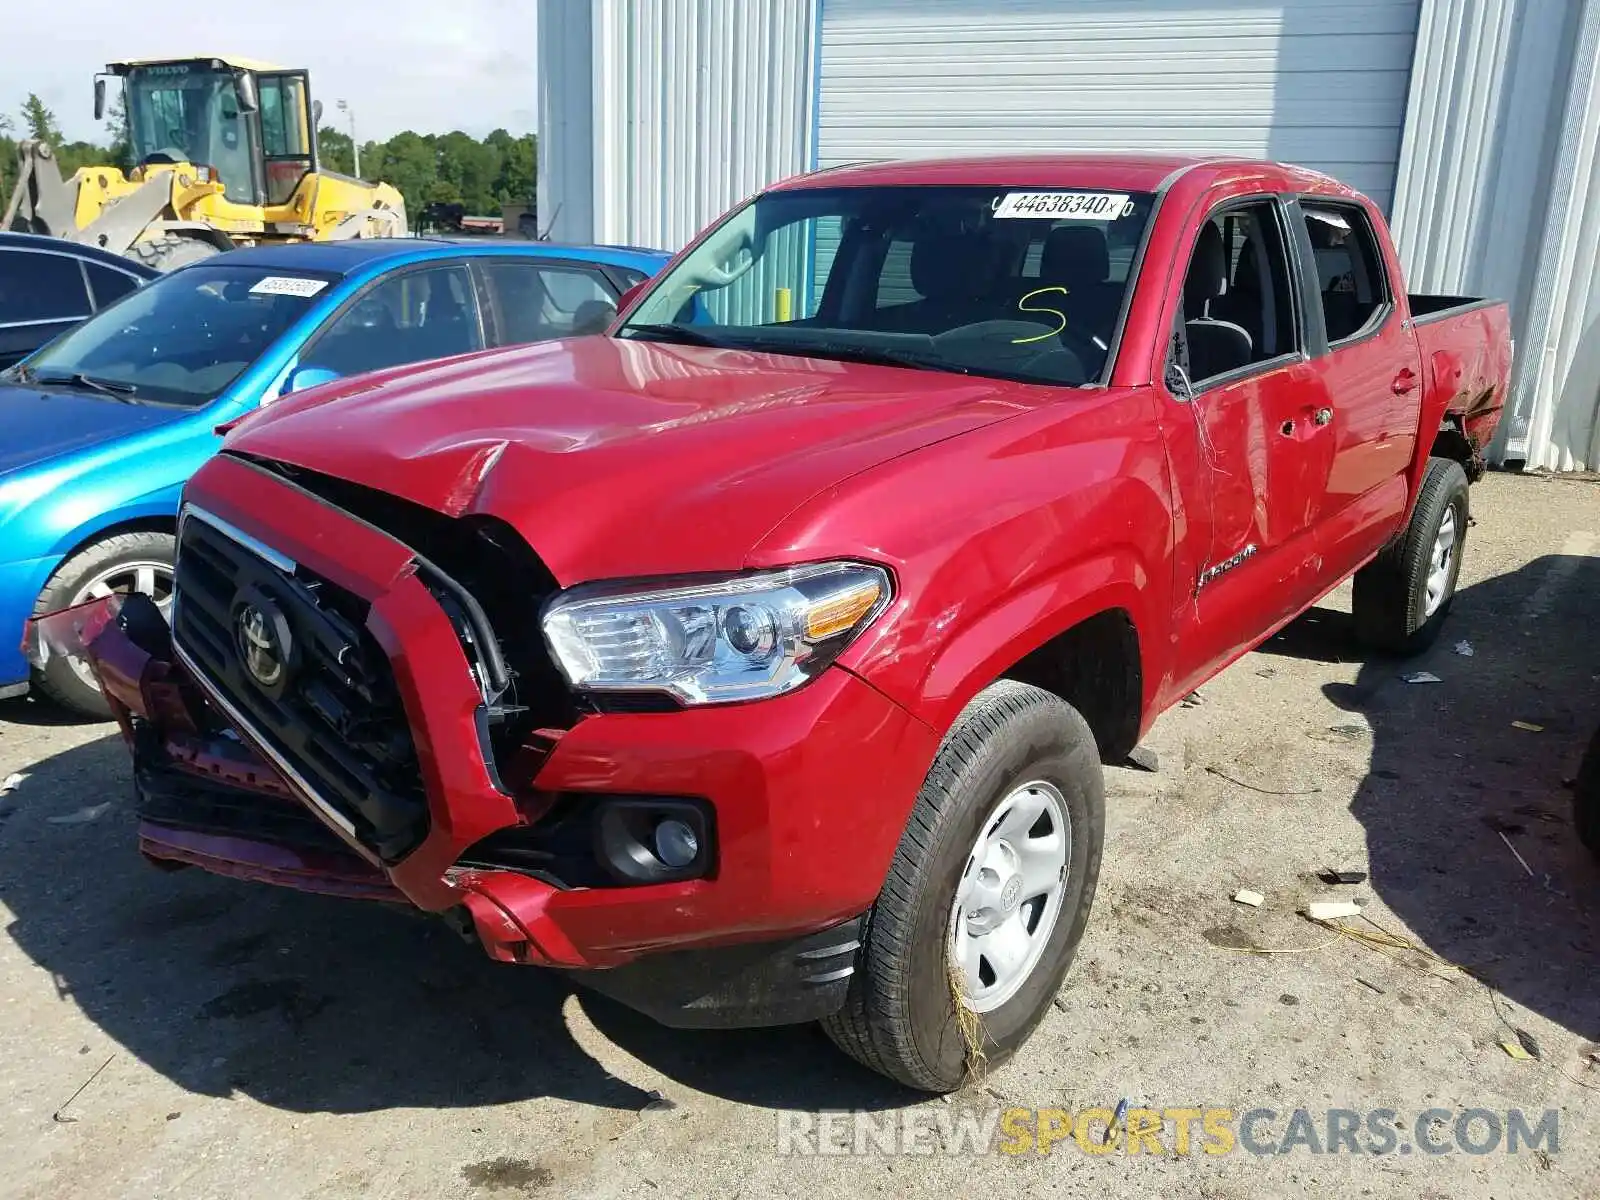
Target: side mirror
{"points": [[316, 114], [308, 377], [625, 301], [99, 98], [244, 90]]}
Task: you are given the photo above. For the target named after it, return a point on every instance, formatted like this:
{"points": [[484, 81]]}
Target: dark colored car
{"points": [[47, 286]]}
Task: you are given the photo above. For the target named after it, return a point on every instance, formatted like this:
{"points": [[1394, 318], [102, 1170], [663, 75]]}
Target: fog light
{"points": [[676, 843]]}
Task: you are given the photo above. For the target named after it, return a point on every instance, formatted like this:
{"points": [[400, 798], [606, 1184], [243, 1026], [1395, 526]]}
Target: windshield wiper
{"points": [[106, 387], [686, 334]]}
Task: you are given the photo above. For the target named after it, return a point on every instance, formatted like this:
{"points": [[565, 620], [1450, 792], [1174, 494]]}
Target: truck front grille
{"points": [[289, 653]]}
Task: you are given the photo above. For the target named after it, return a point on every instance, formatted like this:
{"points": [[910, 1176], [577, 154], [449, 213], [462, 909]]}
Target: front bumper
{"points": [[810, 791]]}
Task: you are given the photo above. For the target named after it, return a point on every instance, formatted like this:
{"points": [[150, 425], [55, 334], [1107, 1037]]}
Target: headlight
{"points": [[742, 638]]}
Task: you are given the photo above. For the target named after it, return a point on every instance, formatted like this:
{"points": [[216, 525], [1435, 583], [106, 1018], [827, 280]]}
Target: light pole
{"points": [[355, 146]]}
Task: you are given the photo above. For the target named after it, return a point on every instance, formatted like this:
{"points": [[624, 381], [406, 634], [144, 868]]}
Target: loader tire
{"points": [[170, 251]]}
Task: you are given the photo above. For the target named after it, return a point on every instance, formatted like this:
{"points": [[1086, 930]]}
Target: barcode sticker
{"points": [[288, 285], [1065, 206]]}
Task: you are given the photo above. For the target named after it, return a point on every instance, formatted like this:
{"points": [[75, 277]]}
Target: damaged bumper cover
{"points": [[797, 794]]}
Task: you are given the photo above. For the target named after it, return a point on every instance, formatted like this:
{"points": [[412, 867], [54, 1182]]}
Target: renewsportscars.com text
{"points": [[955, 1130]]}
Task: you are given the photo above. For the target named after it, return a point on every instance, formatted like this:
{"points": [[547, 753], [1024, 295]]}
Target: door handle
{"points": [[1404, 382], [1322, 416]]}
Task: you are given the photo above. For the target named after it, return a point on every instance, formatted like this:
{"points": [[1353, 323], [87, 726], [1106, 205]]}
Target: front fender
{"points": [[968, 650]]}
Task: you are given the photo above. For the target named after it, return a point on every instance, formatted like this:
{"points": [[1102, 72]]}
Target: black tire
{"points": [[1390, 601], [58, 681], [1586, 797], [169, 251], [900, 1016]]}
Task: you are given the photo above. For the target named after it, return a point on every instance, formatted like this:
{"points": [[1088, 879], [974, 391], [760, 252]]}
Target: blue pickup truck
{"points": [[104, 424]]}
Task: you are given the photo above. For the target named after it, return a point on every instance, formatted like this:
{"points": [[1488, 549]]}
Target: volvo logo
{"points": [[266, 647]]}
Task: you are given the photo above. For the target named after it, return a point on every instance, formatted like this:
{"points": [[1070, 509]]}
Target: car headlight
{"points": [[742, 638]]}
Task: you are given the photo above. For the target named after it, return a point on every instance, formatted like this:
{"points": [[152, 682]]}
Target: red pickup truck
{"points": [[756, 661]]}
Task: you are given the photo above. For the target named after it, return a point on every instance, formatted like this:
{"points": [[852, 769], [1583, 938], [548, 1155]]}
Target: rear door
{"points": [[1249, 464], [1368, 379]]}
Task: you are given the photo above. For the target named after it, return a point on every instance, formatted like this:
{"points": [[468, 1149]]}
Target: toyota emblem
{"points": [[262, 635]]}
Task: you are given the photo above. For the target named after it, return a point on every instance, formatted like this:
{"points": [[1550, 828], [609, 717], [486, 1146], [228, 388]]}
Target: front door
{"points": [[1250, 453]]}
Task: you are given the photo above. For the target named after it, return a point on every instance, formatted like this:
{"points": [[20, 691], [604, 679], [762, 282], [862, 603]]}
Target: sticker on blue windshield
{"points": [[1065, 206], [288, 285]]}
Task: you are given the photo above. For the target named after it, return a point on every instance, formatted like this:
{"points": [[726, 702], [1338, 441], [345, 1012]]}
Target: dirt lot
{"points": [[256, 1043]]}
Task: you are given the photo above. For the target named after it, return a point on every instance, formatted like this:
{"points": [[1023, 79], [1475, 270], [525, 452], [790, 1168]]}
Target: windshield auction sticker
{"points": [[1065, 206], [288, 285]]}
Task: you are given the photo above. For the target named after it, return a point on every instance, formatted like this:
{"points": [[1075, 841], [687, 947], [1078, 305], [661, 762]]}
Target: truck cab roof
{"points": [[1127, 172]]}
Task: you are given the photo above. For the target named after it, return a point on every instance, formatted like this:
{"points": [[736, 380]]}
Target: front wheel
{"points": [[1402, 597], [987, 896]]}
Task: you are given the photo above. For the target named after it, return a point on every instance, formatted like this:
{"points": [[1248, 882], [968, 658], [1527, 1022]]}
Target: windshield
{"points": [[180, 339], [1007, 282], [188, 112]]}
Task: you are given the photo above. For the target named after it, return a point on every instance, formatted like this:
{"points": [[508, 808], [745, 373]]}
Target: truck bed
{"points": [[1426, 306], [1465, 344]]}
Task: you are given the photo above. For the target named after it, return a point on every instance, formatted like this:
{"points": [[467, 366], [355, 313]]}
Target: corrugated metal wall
{"points": [[1317, 82], [695, 105], [1499, 195], [566, 127]]}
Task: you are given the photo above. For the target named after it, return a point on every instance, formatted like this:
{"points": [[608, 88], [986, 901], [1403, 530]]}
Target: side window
{"points": [[1350, 272], [532, 302], [41, 287], [108, 284], [1238, 306], [414, 316]]}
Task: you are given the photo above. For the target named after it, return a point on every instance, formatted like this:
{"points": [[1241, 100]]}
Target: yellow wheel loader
{"points": [[226, 155]]}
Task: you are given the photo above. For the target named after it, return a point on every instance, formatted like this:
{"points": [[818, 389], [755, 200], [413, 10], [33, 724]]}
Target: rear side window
{"points": [[40, 287], [533, 302], [108, 284], [1349, 268]]}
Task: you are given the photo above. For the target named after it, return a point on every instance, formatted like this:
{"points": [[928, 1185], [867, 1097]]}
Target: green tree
{"points": [[518, 167], [471, 167], [408, 162], [40, 122], [334, 150], [119, 153]]}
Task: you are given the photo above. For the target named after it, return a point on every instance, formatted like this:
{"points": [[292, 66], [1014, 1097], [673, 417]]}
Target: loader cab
{"points": [[248, 125]]}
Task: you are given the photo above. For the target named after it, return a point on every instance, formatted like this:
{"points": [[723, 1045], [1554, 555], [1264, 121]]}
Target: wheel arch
{"points": [[1088, 648]]}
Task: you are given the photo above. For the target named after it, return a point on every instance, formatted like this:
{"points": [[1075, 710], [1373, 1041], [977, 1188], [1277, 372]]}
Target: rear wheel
{"points": [[171, 250], [987, 897], [1402, 597], [123, 563]]}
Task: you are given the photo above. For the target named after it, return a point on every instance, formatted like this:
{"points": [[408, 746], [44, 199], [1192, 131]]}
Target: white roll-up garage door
{"points": [[1313, 82]]}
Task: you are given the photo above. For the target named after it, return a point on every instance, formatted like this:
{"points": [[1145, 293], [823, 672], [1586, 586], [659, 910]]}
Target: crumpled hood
{"points": [[41, 423], [615, 458]]}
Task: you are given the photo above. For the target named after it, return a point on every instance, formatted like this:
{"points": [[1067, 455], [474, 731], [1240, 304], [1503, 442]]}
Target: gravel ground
{"points": [[246, 1042]]}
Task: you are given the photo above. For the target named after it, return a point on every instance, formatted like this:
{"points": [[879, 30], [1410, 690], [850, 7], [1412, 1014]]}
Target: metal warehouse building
{"points": [[1473, 122]]}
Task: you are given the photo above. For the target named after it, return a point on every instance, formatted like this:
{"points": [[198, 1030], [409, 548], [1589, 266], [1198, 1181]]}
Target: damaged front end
{"points": [[203, 797]]}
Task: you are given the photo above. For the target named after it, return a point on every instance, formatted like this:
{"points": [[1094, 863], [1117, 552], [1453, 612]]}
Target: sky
{"points": [[425, 65]]}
